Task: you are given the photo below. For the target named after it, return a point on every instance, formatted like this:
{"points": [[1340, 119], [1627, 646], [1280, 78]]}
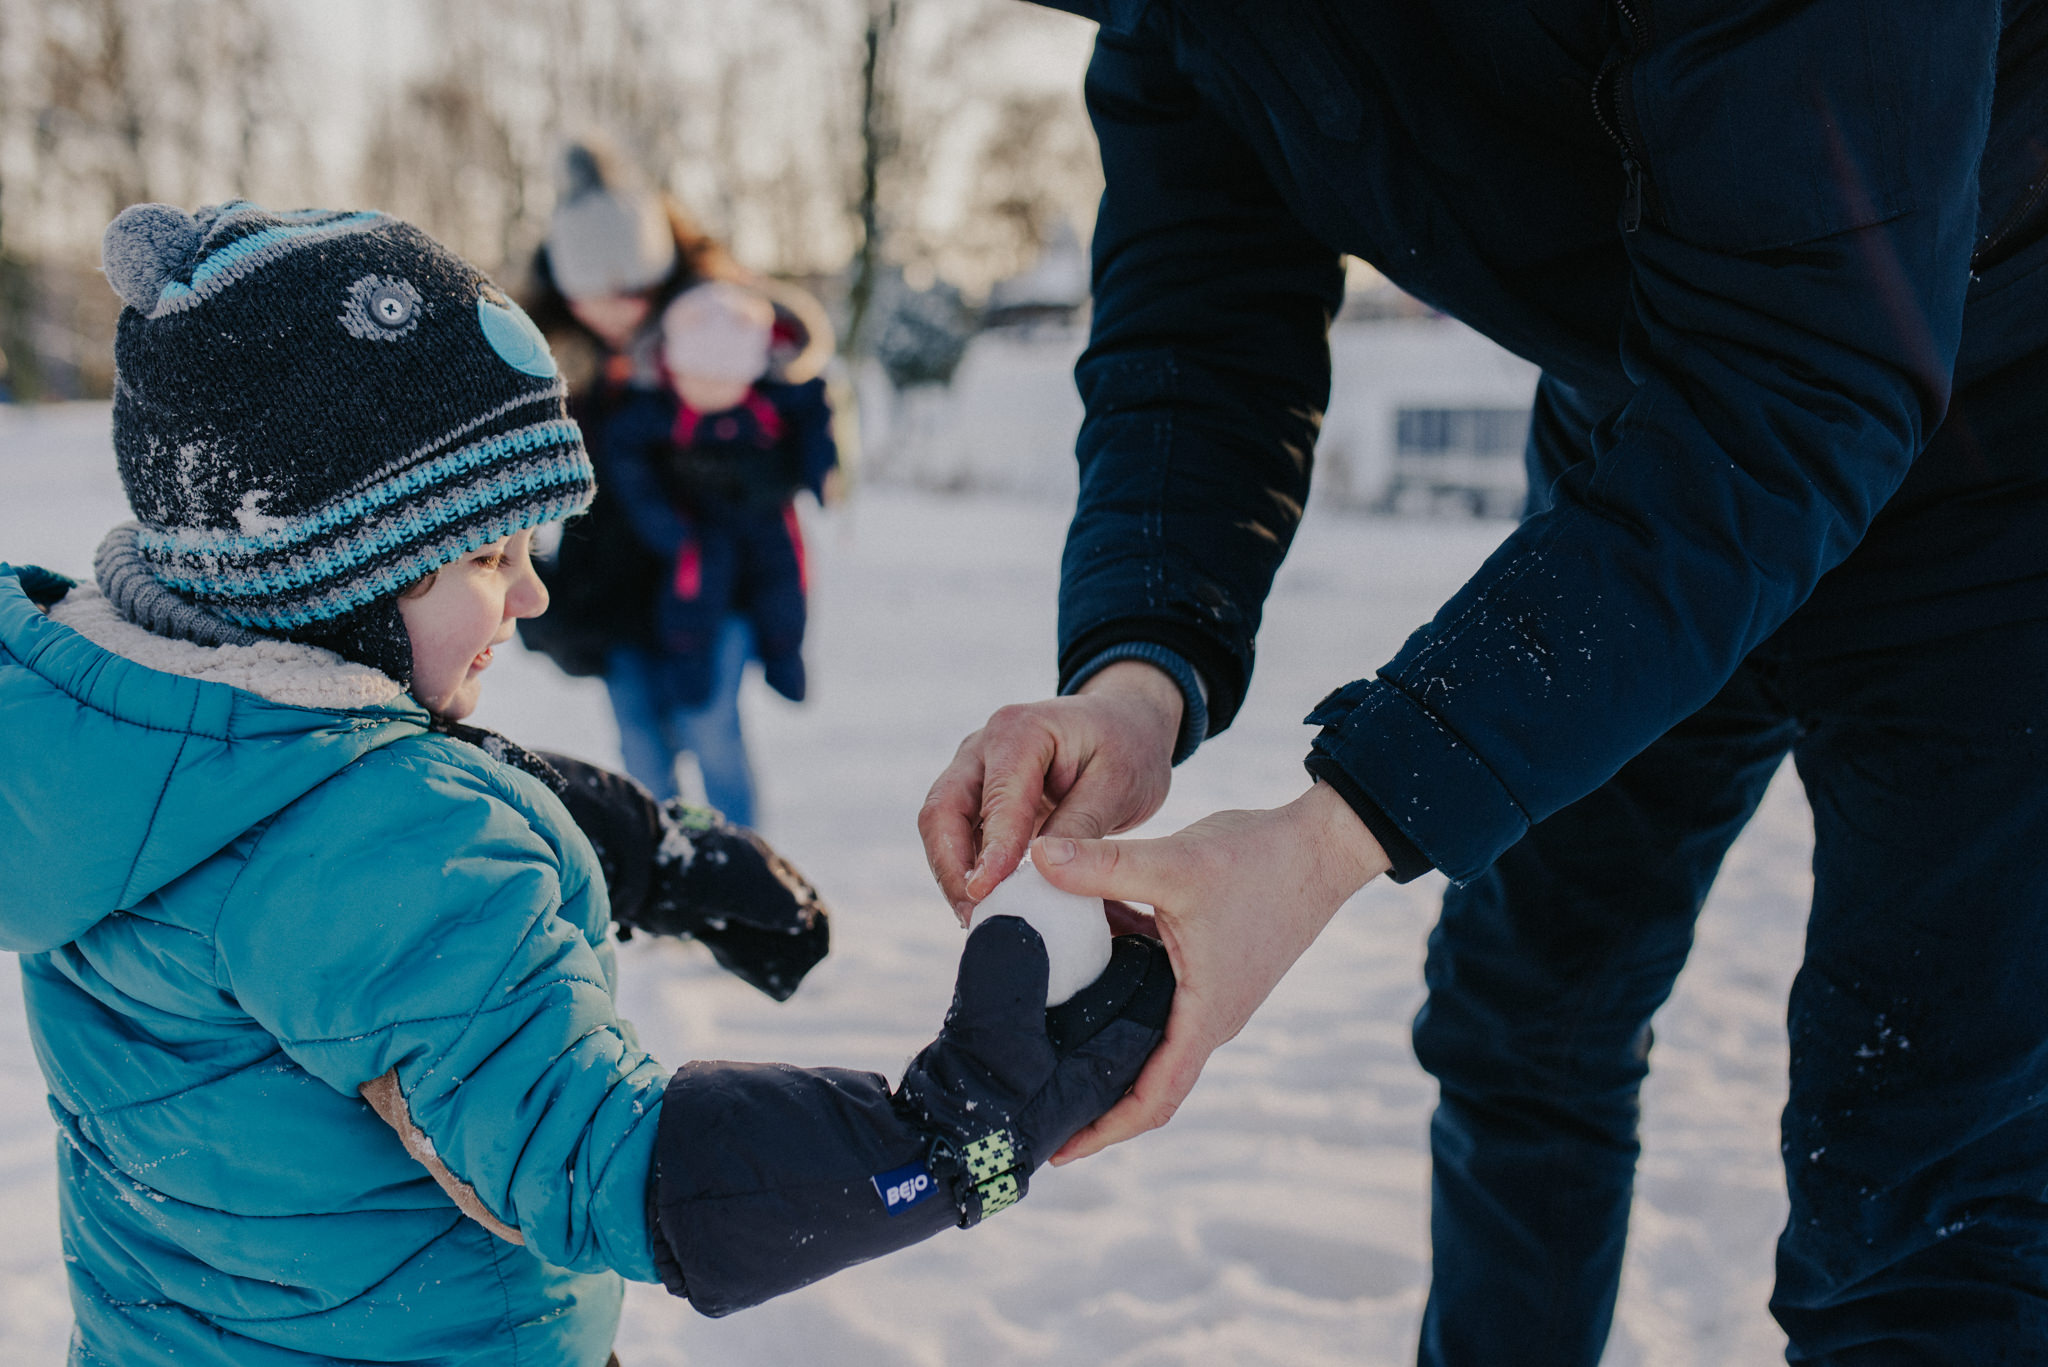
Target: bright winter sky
{"points": [[351, 49]]}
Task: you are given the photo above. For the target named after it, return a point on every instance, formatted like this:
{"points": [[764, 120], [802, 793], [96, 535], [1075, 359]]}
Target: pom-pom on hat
{"points": [[608, 235], [315, 409]]}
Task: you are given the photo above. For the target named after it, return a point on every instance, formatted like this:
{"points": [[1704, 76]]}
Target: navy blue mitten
{"points": [[673, 869], [769, 1177]]}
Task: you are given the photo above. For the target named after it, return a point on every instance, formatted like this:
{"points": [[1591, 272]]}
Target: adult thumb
{"points": [[1123, 870]]}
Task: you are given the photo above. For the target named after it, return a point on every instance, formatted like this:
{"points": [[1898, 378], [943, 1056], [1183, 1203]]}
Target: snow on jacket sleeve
{"points": [[1797, 297], [1205, 380], [1796, 301], [422, 914]]}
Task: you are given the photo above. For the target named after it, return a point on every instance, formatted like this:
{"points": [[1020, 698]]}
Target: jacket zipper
{"points": [[1610, 85]]}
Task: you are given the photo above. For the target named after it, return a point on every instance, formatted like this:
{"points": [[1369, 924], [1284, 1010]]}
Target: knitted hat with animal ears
{"points": [[314, 409]]}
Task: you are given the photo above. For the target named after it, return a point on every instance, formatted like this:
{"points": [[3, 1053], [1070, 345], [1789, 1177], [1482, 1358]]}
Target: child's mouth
{"points": [[483, 659]]}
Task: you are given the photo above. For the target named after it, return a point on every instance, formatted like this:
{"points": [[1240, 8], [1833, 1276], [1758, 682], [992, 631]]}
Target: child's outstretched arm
{"points": [[419, 929], [678, 870], [808, 413], [769, 1177]]}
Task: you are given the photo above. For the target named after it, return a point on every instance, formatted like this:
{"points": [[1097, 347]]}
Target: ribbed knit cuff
{"points": [[1194, 694]]}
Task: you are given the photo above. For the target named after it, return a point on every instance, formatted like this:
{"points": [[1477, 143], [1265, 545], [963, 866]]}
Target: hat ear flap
{"points": [[144, 247], [373, 634]]}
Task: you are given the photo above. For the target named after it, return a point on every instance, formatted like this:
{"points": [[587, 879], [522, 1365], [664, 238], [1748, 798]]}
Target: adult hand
{"points": [[1087, 765], [1236, 898]]}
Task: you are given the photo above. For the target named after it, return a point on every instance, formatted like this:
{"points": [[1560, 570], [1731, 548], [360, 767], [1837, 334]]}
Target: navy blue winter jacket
{"points": [[1758, 243]]}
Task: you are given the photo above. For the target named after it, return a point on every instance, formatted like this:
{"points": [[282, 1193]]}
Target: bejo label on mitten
{"points": [[901, 1188]]}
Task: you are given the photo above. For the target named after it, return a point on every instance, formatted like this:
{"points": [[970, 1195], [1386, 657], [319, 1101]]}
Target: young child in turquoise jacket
{"points": [[321, 979]]}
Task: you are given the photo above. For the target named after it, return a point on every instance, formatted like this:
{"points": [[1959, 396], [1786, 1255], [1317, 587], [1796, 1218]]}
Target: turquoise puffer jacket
{"points": [[232, 913]]}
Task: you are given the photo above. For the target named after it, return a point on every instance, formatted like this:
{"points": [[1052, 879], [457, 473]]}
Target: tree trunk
{"points": [[877, 143]]}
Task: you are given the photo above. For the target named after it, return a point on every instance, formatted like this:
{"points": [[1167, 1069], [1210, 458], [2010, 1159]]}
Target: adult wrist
{"points": [[1147, 688], [1407, 861], [1455, 811], [1345, 848], [1191, 717]]}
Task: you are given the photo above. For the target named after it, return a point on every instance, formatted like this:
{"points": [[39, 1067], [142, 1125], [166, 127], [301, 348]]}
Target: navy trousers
{"points": [[1916, 1133]]}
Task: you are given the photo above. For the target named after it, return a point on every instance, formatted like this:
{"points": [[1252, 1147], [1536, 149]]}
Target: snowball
{"points": [[1075, 929]]}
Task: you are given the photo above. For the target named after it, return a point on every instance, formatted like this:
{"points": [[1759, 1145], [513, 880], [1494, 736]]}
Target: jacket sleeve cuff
{"points": [[1194, 693], [1405, 765], [1408, 863]]}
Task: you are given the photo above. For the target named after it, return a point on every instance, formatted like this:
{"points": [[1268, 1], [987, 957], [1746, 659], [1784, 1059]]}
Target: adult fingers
{"points": [[1078, 819], [1168, 1076], [1108, 796], [1124, 870], [946, 823], [1016, 753]]}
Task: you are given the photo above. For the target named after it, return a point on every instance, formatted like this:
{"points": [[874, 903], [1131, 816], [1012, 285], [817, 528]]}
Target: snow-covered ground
{"points": [[1281, 1218]]}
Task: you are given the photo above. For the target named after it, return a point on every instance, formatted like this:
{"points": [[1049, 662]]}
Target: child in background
{"points": [[707, 472], [321, 978], [616, 254]]}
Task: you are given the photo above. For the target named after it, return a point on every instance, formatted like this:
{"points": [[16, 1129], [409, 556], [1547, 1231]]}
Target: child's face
{"points": [[469, 608]]}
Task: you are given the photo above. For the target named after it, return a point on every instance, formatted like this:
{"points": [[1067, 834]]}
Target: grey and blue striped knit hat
{"points": [[314, 409]]}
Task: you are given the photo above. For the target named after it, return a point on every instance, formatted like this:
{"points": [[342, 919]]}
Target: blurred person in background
{"points": [[708, 469], [616, 254]]}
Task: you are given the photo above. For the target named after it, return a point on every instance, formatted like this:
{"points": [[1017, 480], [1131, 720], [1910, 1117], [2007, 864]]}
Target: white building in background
{"points": [[1006, 424], [1425, 414], [1052, 293]]}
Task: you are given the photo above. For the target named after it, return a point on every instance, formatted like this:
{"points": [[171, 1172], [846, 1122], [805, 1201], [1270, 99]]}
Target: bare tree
{"points": [[880, 143], [983, 144], [90, 121], [224, 99], [441, 156], [816, 136], [1034, 169], [20, 375], [104, 103]]}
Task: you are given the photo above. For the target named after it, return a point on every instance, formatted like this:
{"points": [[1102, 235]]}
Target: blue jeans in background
{"points": [[654, 731], [1915, 1135]]}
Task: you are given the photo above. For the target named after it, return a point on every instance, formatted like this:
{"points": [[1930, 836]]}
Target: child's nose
{"points": [[529, 597]]}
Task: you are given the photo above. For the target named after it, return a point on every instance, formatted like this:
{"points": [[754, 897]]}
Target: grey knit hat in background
{"points": [[609, 234], [315, 409]]}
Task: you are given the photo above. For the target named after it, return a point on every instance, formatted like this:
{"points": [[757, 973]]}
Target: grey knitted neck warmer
{"points": [[372, 635], [125, 579]]}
